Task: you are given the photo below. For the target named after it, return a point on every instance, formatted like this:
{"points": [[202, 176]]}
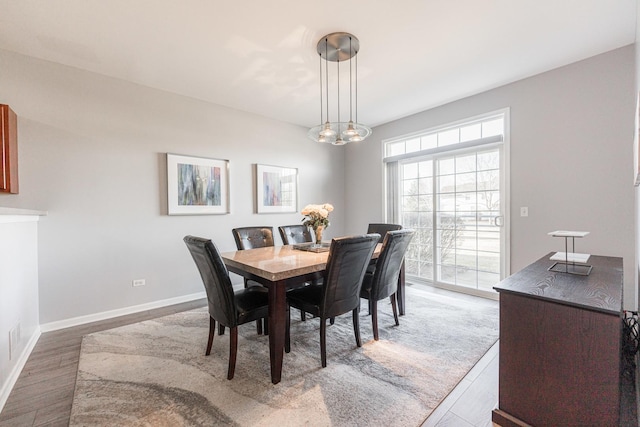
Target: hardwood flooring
{"points": [[43, 393]]}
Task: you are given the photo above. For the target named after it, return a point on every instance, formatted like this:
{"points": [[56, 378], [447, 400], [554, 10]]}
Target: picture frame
{"points": [[197, 185], [276, 189]]}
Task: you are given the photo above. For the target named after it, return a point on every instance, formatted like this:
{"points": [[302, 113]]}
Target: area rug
{"points": [[155, 372]]}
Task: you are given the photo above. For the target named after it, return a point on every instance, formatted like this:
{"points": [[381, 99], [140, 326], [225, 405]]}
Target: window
{"points": [[449, 185]]}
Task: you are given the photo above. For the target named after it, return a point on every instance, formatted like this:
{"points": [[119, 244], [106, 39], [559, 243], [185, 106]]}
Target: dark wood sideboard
{"points": [[560, 344]]}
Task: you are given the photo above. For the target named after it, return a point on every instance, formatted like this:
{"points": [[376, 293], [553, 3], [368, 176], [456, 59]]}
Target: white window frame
{"points": [[391, 213]]}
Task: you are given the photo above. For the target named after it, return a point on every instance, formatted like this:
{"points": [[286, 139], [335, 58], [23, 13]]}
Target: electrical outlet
{"points": [[138, 282], [13, 342], [524, 211]]}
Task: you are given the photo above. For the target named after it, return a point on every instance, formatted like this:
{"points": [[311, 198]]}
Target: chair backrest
{"points": [[347, 262], [385, 278], [253, 237], [215, 277], [292, 234], [382, 229]]}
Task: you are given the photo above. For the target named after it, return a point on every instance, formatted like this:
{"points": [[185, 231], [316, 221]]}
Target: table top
{"points": [[279, 262], [599, 291]]}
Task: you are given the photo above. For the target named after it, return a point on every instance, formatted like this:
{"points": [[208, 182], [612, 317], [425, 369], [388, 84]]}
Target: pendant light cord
{"points": [[320, 64], [326, 62], [350, 82], [338, 64], [356, 55]]}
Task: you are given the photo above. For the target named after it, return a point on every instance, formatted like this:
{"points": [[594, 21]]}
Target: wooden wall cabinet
{"points": [[560, 343], [8, 150]]}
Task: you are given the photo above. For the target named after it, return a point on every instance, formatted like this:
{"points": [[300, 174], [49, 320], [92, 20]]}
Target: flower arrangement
{"points": [[317, 215]]}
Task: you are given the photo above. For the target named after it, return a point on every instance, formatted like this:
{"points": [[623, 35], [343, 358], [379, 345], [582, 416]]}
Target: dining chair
{"points": [[340, 291], [251, 238], [227, 307], [292, 234], [382, 228], [383, 281]]}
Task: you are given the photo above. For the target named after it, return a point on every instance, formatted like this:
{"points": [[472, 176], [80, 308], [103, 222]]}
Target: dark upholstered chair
{"points": [[382, 229], [227, 307], [251, 238], [383, 282], [340, 291], [292, 234]]}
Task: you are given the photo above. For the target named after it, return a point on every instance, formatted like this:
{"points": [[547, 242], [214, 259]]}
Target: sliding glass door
{"points": [[455, 200]]}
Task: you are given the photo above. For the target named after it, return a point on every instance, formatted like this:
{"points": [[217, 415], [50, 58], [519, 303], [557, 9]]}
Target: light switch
{"points": [[524, 211]]}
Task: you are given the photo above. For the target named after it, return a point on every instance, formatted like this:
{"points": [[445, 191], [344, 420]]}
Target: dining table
{"points": [[279, 268]]}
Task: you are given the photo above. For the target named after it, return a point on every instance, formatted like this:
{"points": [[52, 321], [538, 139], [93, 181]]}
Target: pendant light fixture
{"points": [[338, 47]]}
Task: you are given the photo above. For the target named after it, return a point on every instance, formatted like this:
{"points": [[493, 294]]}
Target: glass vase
{"points": [[318, 230]]}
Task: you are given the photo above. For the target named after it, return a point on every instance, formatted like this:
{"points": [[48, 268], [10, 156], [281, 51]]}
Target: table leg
{"points": [[277, 325], [400, 292]]}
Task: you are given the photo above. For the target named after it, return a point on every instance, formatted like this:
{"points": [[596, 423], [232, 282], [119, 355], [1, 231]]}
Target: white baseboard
{"points": [[5, 391], [81, 320]]}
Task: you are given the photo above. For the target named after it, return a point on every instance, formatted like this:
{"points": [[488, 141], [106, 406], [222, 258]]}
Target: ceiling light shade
{"points": [[338, 47]]}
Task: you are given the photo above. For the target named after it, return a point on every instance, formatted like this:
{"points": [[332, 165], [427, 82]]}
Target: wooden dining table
{"points": [[280, 268]]}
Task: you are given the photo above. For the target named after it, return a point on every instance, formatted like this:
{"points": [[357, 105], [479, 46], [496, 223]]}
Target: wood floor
{"points": [[43, 393]]}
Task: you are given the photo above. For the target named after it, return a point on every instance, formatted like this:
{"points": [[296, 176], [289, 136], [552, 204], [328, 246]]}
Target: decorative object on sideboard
{"points": [[8, 150], [197, 185], [276, 189], [570, 262], [317, 217], [338, 47]]}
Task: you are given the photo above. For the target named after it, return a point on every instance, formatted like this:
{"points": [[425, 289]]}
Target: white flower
{"points": [[317, 215]]}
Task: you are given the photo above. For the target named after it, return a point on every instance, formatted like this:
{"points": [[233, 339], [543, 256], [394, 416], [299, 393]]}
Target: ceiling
{"points": [[260, 56]]}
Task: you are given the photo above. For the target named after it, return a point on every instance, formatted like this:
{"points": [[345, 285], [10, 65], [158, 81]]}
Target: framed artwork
{"points": [[276, 189], [197, 185]]}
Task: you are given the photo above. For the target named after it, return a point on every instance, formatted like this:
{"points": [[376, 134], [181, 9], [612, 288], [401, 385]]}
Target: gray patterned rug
{"points": [[154, 373]]}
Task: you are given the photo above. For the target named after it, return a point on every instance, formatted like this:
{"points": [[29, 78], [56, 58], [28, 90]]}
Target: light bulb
{"points": [[350, 130], [339, 141], [356, 138], [327, 131]]}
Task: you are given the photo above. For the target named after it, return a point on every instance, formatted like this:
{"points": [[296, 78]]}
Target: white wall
{"points": [[18, 295], [92, 154], [571, 159], [636, 154]]}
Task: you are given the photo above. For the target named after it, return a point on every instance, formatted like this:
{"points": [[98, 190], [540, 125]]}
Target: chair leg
{"points": [[332, 320], [374, 318], [212, 333], [259, 326], [356, 325], [303, 316], [266, 325], [287, 332], [394, 306], [323, 341], [220, 329], [233, 351]]}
